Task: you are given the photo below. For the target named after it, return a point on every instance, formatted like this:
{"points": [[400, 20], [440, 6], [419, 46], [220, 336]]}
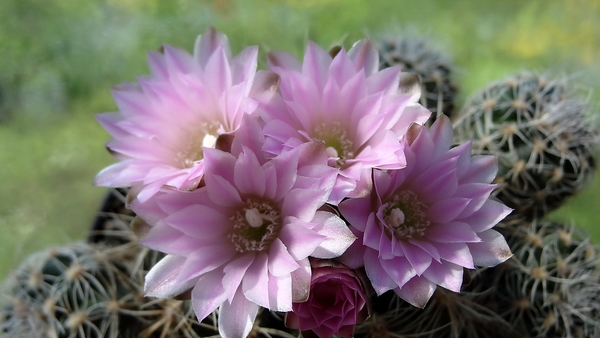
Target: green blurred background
{"points": [[59, 58]]}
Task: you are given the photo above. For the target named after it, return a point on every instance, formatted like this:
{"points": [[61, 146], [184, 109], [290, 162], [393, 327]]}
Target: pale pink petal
{"points": [[302, 203], [453, 232], [249, 177], [281, 263], [279, 60], [385, 81], [479, 195], [416, 291], [356, 211], [447, 210], [354, 255], [205, 259], [301, 281], [457, 253], [162, 282], [427, 247], [399, 269], [250, 136], [316, 63], [115, 175], [156, 62], [206, 300], [178, 61], [380, 279], [235, 272], [365, 56], [412, 113], [489, 215], [221, 191], [207, 43], [419, 259], [442, 135], [483, 169], [211, 225], [447, 275], [299, 239], [281, 291], [338, 236], [257, 277], [237, 318], [243, 68], [492, 251]]}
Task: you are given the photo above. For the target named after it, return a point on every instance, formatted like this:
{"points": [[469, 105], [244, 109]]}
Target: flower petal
{"points": [[301, 281], [492, 251], [206, 300], [338, 236], [237, 318], [416, 291], [257, 276], [162, 281], [281, 263], [447, 275], [380, 279]]}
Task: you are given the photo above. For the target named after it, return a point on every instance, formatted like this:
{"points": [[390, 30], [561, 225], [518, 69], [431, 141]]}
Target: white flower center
{"points": [[254, 218], [209, 140], [255, 226], [405, 216], [189, 150], [339, 145], [396, 218]]}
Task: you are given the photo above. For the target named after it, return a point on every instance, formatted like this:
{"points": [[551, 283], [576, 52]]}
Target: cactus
{"points": [[85, 290], [541, 135], [550, 288], [448, 314], [434, 69], [111, 225]]}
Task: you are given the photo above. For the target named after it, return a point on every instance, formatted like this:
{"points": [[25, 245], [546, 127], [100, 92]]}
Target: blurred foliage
{"points": [[59, 58]]}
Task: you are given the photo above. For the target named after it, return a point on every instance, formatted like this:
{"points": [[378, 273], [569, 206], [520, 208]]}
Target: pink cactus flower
{"points": [[166, 119], [242, 240], [426, 222], [337, 302], [346, 102]]}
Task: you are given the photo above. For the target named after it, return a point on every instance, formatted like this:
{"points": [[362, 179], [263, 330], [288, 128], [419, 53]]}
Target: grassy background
{"points": [[59, 58]]}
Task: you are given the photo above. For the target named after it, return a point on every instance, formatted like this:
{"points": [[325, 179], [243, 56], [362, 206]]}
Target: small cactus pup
{"points": [[85, 290], [542, 136], [551, 286], [413, 54]]}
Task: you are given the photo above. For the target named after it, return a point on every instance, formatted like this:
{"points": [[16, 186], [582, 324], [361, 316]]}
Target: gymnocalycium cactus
{"points": [[413, 54], [550, 288], [86, 290], [544, 142]]}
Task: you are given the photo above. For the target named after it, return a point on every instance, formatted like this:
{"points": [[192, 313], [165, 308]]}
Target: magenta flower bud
{"points": [[337, 302]]}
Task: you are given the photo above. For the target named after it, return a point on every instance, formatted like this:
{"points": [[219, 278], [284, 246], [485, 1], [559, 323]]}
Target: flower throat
{"points": [[255, 226], [405, 215]]}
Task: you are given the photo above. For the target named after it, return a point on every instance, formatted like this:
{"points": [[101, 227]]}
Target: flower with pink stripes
{"points": [[166, 119], [426, 222], [345, 102]]}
